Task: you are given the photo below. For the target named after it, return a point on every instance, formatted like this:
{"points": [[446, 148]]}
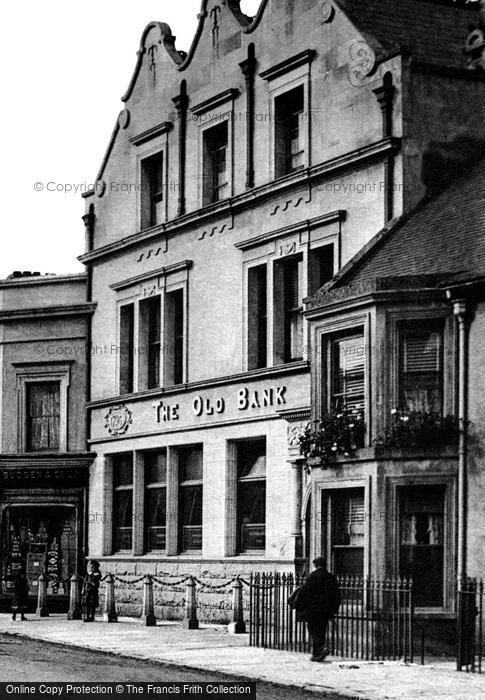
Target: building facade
{"points": [[44, 464], [396, 333], [241, 177]]}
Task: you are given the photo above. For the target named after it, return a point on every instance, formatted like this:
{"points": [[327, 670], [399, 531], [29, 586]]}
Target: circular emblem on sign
{"points": [[327, 11], [100, 187], [124, 118], [118, 420]]}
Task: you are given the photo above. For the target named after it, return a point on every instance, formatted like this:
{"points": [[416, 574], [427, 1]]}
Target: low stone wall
{"points": [[214, 589]]}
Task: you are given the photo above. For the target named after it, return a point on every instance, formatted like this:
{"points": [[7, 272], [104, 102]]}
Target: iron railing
{"points": [[470, 625], [374, 622]]}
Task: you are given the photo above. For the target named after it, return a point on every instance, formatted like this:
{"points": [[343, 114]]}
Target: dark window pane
{"points": [[43, 416], [123, 519], [257, 317], [155, 467], [289, 132], [174, 337], [191, 505], [126, 348], [152, 190], [123, 508], [191, 517], [123, 470], [150, 313], [156, 507], [155, 518], [421, 542], [190, 464], [215, 163], [251, 459]]}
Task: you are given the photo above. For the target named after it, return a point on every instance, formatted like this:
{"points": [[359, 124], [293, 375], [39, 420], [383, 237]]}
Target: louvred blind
{"points": [[422, 353]]}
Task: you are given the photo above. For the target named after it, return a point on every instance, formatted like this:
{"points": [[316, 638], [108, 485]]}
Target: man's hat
{"points": [[320, 562]]}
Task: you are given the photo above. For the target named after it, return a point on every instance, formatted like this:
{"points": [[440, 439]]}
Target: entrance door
{"points": [[421, 538], [41, 539]]}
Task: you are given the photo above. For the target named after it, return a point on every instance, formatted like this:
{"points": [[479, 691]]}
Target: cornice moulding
{"points": [[338, 215], [253, 375], [152, 133], [215, 101], [47, 311], [288, 65], [160, 272], [247, 199]]}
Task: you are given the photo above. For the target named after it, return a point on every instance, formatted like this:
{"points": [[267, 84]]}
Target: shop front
{"points": [[42, 524]]}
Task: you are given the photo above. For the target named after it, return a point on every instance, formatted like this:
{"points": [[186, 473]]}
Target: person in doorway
{"points": [[20, 595], [317, 603], [90, 592]]}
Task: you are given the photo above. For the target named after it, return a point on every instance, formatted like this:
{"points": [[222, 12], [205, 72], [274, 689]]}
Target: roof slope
{"points": [[431, 31], [443, 238]]}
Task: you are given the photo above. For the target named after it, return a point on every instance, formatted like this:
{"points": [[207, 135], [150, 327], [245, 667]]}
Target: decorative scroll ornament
{"points": [[118, 419], [327, 11], [100, 188], [294, 432], [124, 119], [475, 49], [362, 63]]}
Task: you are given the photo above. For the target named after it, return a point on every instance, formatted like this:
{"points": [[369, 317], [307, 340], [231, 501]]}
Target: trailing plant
{"points": [[336, 433], [419, 429]]}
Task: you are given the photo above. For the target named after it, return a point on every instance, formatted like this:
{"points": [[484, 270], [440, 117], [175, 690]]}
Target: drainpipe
{"points": [[460, 312]]}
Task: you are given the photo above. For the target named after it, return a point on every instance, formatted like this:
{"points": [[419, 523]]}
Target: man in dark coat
{"points": [[20, 595], [318, 602]]}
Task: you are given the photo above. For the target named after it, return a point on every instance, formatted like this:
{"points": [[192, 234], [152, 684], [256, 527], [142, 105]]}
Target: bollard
{"points": [[191, 622], [74, 612], [148, 612], [237, 626], [109, 614], [42, 609]]}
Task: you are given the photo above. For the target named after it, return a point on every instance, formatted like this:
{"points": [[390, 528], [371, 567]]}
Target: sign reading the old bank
{"points": [[205, 406], [191, 409]]}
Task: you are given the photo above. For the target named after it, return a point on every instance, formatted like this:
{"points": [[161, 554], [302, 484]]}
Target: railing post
{"points": [[191, 622], [148, 612], [237, 626], [42, 609], [109, 614], [75, 612]]}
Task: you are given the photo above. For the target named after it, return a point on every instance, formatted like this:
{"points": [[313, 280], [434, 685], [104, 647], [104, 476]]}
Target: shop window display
{"points": [[42, 539]]}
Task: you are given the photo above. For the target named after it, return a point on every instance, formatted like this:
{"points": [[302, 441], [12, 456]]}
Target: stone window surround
{"points": [[267, 250], [42, 372], [393, 321], [230, 510], [323, 334], [393, 484], [224, 103], [300, 76], [159, 282], [324, 486], [172, 491], [160, 144]]}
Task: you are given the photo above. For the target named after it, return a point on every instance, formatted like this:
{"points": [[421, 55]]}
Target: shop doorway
{"points": [[40, 539]]}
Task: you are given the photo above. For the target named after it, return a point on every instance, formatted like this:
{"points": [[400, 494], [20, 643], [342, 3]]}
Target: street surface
{"points": [[26, 660]]}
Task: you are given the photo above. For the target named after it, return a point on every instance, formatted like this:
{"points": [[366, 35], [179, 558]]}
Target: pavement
{"points": [[212, 648]]}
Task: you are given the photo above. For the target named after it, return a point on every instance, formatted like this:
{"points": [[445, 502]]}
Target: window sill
{"points": [[380, 452]]}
